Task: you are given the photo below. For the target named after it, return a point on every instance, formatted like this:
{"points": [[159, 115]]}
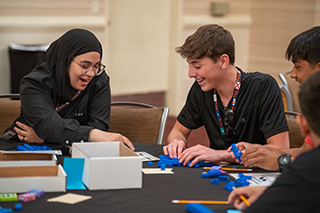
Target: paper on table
{"points": [[259, 179], [146, 156], [69, 198], [157, 171]]}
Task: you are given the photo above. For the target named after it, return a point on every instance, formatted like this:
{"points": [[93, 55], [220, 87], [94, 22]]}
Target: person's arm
{"points": [[251, 193], [266, 157], [97, 135], [177, 140], [26, 134], [279, 141]]}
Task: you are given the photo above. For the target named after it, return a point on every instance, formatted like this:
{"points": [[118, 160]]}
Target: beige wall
{"points": [[139, 36], [135, 36]]}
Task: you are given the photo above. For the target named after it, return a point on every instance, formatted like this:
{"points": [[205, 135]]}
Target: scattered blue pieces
{"points": [[150, 163], [236, 152], [215, 181], [168, 161], [26, 147], [165, 159], [18, 207], [242, 176], [197, 208]]}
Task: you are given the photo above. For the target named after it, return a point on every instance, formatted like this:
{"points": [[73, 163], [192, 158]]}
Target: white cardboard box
{"points": [[109, 165], [27, 159], [22, 179]]}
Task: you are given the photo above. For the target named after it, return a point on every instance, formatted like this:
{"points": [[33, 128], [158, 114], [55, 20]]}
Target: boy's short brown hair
{"points": [[210, 41]]}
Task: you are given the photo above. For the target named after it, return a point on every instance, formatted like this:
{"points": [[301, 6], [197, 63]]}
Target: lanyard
{"points": [[67, 103], [233, 103]]}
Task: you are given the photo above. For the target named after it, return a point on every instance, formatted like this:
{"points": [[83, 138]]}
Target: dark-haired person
{"points": [[304, 52], [231, 104], [297, 189], [67, 98]]}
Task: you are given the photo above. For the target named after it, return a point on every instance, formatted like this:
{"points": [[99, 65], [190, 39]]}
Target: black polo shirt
{"points": [[259, 113]]}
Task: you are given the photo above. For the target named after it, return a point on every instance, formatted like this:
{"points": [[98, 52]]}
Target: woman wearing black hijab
{"points": [[67, 98]]}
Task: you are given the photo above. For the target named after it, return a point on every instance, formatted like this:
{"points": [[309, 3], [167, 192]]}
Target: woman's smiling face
{"points": [[78, 79]]}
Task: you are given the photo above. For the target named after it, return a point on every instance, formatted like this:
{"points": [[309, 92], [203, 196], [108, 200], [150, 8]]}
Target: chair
{"points": [[139, 122], [289, 90], [9, 110], [295, 137]]}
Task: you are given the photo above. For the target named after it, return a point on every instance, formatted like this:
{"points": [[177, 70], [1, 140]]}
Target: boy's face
{"points": [[302, 70], [205, 71]]}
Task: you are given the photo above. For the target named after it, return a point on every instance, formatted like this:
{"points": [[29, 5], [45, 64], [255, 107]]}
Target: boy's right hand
{"points": [[174, 149]]}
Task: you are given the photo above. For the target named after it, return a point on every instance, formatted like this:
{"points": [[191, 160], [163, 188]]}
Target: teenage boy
{"points": [[232, 105], [297, 189], [304, 52]]}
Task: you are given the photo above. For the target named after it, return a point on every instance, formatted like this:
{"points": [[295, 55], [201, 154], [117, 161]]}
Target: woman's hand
{"points": [[26, 133]]}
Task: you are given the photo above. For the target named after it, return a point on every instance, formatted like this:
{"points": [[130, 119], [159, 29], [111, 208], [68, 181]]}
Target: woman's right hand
{"points": [[97, 135], [26, 133]]}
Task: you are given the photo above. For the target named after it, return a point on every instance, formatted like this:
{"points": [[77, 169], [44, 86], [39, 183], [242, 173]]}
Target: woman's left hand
{"points": [[26, 133]]}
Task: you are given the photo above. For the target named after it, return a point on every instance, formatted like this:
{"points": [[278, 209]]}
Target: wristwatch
{"points": [[283, 161]]}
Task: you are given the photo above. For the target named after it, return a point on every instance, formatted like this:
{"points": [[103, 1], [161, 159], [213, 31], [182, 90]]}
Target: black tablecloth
{"points": [[155, 195]]}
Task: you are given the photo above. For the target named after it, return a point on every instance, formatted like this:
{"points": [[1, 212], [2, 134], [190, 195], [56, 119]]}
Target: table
{"points": [[155, 195]]}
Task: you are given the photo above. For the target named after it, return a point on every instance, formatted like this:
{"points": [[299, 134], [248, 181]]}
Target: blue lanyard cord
{"points": [[233, 103]]}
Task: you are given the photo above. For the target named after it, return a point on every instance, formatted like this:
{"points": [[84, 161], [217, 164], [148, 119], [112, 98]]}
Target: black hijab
{"points": [[60, 53]]}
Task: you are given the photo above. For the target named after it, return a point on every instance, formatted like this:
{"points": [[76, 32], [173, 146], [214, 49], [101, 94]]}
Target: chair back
{"points": [[289, 89], [139, 122], [295, 136], [9, 110]]}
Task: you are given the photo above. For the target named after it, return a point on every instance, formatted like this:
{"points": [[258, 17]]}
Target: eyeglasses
{"points": [[88, 68]]}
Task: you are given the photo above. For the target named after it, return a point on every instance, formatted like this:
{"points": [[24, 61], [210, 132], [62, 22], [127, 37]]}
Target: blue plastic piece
{"points": [[223, 178], [5, 210], [150, 163], [197, 208], [236, 152], [229, 186], [242, 182], [242, 176], [26, 147], [168, 161], [163, 167], [214, 173], [215, 181], [18, 207], [204, 175], [204, 164], [165, 159]]}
